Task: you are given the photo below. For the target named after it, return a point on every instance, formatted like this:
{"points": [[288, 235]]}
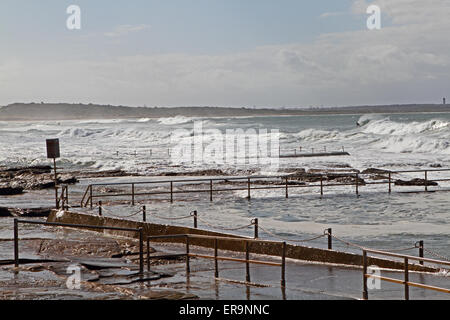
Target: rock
{"points": [[32, 212], [4, 212], [32, 170], [208, 172], [10, 191], [375, 171], [416, 182]]}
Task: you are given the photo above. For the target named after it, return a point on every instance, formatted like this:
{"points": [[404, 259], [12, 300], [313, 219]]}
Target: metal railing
{"points": [[62, 200], [81, 226], [255, 223], [245, 241], [285, 184], [405, 282]]}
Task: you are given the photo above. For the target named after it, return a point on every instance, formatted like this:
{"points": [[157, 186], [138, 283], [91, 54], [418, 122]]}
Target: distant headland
{"points": [[65, 111]]}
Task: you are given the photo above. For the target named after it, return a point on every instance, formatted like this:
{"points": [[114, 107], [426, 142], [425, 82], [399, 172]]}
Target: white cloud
{"points": [[123, 30], [333, 14]]}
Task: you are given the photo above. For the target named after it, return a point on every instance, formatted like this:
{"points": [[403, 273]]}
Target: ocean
{"points": [[375, 219]]}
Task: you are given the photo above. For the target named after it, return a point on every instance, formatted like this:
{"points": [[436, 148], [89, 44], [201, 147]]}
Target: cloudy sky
{"points": [[283, 53]]}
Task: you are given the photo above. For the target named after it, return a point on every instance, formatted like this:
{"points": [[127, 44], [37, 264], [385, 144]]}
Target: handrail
{"points": [[83, 204], [284, 184], [397, 255], [406, 281], [216, 257]]}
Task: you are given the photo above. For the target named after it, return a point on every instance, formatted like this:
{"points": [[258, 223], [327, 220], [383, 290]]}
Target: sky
{"points": [[233, 53]]}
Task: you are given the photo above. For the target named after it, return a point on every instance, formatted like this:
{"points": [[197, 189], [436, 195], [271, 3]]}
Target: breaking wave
{"points": [[176, 120]]}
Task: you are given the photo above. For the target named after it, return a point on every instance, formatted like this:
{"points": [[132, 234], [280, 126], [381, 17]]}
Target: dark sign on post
{"points": [[53, 148]]}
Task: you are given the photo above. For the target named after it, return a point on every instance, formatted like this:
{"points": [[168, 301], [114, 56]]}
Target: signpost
{"points": [[53, 153]]}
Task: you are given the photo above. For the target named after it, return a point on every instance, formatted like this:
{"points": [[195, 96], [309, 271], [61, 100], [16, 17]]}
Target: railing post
{"points": [[287, 192], [216, 253], [330, 239], [144, 213], [171, 191], [390, 183], [195, 215], [64, 198], [148, 254], [421, 249], [141, 251], [16, 243], [188, 267], [255, 223], [321, 185], [406, 280], [426, 180], [247, 264], [283, 266], [248, 187], [132, 194], [211, 190], [365, 290], [91, 196], [357, 184], [100, 207], [67, 198]]}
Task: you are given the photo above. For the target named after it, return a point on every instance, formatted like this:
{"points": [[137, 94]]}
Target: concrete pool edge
{"points": [[271, 249]]}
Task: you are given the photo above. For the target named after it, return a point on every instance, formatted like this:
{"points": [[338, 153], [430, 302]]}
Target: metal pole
{"points": [[141, 251], [216, 263], [365, 290], [100, 207], [390, 183], [132, 194], [357, 184], [148, 255], [255, 222], [406, 280], [188, 268], [16, 243], [426, 180], [195, 215], [56, 184], [321, 185], [210, 190], [283, 266], [67, 197], [330, 239], [144, 213], [287, 192], [247, 264], [248, 187], [171, 192], [421, 246], [90, 191]]}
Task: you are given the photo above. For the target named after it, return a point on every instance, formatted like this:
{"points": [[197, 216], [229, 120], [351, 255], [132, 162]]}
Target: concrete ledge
{"points": [[271, 249]]}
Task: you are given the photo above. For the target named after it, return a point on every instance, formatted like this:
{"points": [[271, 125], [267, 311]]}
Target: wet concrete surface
{"points": [[304, 281]]}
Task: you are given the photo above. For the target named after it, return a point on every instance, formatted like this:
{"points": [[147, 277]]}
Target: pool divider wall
{"points": [[272, 249]]}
